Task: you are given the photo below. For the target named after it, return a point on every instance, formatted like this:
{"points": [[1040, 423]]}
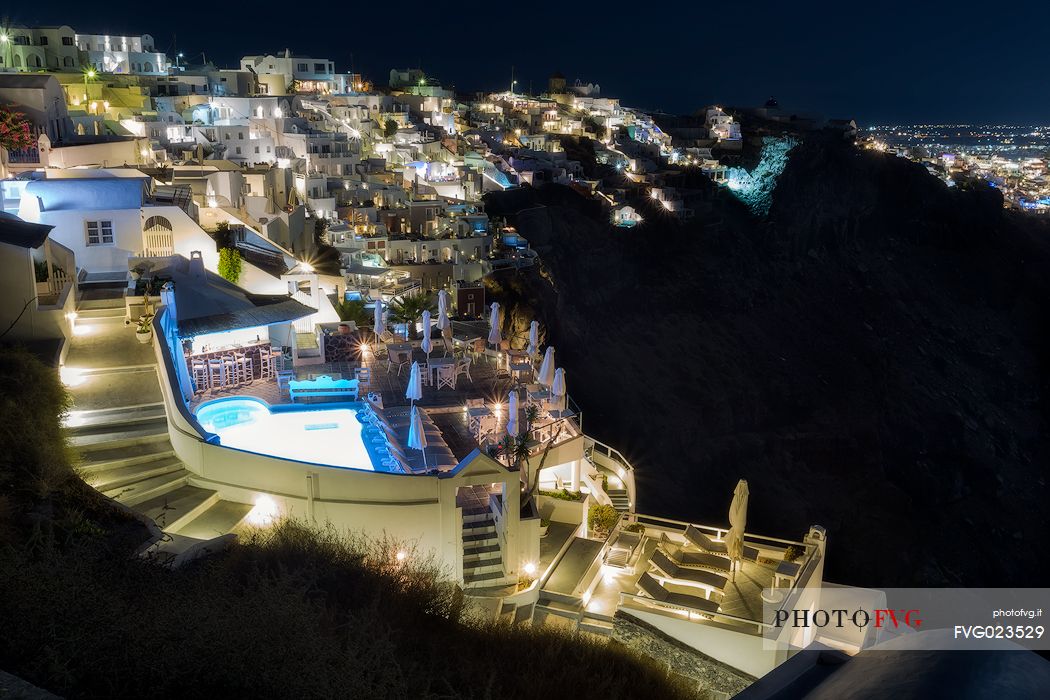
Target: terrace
{"points": [[387, 366], [594, 577]]}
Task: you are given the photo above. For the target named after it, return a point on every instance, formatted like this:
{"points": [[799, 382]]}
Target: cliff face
{"points": [[872, 357]]}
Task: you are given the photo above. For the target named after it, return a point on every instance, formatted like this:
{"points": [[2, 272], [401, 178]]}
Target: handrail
{"points": [[627, 475], [656, 606], [681, 525]]}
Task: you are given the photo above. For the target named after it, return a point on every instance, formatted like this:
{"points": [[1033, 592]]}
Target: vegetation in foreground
{"points": [[291, 611]]}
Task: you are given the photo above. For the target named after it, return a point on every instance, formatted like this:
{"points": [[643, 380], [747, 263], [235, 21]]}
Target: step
{"points": [[153, 487], [87, 421], [114, 302], [111, 458], [471, 578], [175, 508], [482, 566], [109, 439], [595, 627], [475, 537], [117, 477], [480, 549], [222, 517], [476, 521], [102, 313]]}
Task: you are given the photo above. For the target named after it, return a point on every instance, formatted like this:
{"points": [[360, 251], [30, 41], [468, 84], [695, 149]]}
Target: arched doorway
{"points": [[157, 237]]}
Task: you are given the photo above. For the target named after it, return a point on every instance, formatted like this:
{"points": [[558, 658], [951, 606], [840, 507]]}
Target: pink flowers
{"points": [[14, 130]]}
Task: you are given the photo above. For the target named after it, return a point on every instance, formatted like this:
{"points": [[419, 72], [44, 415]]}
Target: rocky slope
{"points": [[871, 356]]}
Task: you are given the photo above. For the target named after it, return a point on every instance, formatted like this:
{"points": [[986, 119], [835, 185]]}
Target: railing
{"points": [[601, 455]]}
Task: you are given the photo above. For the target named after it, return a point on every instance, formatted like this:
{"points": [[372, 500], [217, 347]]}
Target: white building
{"points": [[123, 54]]}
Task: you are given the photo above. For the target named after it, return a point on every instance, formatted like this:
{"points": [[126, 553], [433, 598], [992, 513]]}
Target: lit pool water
{"points": [[329, 436]]}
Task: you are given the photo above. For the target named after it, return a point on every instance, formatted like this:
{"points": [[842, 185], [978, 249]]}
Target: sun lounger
{"points": [[708, 580], [652, 588], [702, 560], [698, 539]]}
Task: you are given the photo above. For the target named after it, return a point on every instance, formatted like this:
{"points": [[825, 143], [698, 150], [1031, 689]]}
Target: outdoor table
{"points": [[787, 571]]}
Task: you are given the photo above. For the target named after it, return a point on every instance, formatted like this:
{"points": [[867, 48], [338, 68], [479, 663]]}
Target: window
{"points": [[319, 68], [267, 149], [238, 150], [302, 67], [67, 62], [67, 41], [43, 41], [256, 149], [240, 135], [99, 232]]}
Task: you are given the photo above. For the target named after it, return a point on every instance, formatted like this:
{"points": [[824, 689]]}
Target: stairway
{"points": [[482, 553], [619, 499], [125, 452]]}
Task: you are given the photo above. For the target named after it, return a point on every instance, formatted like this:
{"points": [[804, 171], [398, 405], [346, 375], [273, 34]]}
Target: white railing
{"points": [[602, 455]]}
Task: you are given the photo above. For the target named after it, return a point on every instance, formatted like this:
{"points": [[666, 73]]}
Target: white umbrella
{"points": [[534, 338], [414, 390], [443, 322], [737, 523], [379, 318], [417, 437], [546, 374], [426, 345], [512, 415], [558, 387], [495, 338]]}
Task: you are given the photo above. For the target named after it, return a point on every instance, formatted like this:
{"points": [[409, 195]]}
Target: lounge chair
{"points": [[708, 580], [652, 588], [702, 560], [698, 539]]}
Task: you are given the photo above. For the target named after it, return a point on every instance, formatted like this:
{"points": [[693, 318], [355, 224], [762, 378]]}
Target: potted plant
{"points": [[144, 332], [545, 524]]}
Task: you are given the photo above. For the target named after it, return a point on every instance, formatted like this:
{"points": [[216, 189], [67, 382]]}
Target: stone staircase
{"points": [[620, 500], [482, 553], [124, 450], [126, 455]]}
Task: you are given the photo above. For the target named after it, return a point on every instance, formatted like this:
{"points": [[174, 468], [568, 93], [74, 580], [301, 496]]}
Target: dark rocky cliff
{"points": [[872, 357]]}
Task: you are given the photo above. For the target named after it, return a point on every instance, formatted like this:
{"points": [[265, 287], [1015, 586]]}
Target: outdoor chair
{"points": [[702, 560], [663, 597], [708, 580], [446, 376], [363, 375], [697, 538], [425, 375], [200, 375], [463, 368]]}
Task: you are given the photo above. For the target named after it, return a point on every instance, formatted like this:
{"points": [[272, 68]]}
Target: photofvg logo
{"points": [[840, 618], [908, 618]]}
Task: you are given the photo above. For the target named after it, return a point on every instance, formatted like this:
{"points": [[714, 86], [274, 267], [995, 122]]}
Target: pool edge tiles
{"points": [[329, 435]]}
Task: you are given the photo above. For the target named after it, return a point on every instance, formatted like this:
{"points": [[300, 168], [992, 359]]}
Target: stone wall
{"points": [[714, 679]]}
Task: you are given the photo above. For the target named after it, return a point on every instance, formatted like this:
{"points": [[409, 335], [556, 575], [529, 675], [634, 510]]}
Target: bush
{"points": [[563, 495], [230, 264], [353, 310], [793, 552], [601, 518], [634, 527]]}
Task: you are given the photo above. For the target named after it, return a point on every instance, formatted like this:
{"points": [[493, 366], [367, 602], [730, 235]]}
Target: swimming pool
{"points": [[329, 436]]}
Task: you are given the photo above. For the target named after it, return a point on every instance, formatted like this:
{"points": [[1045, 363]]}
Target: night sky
{"points": [[885, 62]]}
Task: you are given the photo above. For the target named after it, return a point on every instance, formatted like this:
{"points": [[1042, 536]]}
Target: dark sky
{"points": [[879, 62]]}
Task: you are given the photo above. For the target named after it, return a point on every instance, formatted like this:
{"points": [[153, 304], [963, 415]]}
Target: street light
{"points": [[89, 73]]}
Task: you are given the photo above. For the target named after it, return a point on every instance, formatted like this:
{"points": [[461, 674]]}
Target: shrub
{"points": [[634, 527], [230, 264], [353, 310], [793, 552], [563, 495], [601, 518]]}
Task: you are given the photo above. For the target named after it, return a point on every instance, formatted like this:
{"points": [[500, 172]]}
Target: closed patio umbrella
{"points": [[417, 436], [378, 326], [737, 523], [415, 384], [495, 338], [558, 388], [443, 321], [546, 373], [534, 339], [512, 415], [426, 345]]}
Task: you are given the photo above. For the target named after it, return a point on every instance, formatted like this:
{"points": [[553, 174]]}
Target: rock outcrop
{"points": [[872, 357]]}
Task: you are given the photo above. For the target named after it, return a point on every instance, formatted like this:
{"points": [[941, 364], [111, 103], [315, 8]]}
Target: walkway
{"points": [[117, 423]]}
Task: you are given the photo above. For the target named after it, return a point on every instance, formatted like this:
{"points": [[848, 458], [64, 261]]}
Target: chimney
{"points": [[196, 268]]}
